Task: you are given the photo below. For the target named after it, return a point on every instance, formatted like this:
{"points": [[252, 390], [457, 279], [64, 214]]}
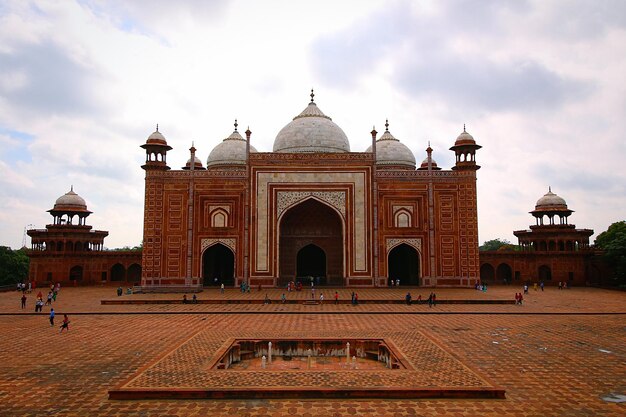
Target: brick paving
{"points": [[550, 364]]}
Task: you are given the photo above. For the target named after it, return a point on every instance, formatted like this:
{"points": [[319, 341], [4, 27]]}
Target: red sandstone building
{"points": [[70, 252], [551, 251], [310, 208]]}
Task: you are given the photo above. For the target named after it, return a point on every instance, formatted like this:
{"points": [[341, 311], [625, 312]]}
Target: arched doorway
{"points": [[311, 261], [312, 227], [118, 273], [76, 273], [218, 261], [404, 265], [504, 273], [487, 273], [134, 273], [545, 273]]}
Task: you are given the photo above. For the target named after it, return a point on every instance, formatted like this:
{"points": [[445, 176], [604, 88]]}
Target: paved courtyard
{"points": [[563, 353]]}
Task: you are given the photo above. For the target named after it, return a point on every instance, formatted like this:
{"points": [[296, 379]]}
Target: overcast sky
{"points": [[539, 84]]}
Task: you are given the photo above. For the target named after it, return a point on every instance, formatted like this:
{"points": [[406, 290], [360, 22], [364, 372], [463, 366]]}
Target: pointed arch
{"points": [[487, 273], [402, 218], [403, 263], [218, 265], [311, 221], [118, 272], [76, 273], [219, 218]]}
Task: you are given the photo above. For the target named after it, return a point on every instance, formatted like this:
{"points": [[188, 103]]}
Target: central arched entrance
{"points": [[311, 244], [311, 261], [404, 265], [218, 266]]}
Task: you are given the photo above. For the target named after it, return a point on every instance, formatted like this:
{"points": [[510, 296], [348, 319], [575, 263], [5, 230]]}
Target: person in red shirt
{"points": [[65, 324]]}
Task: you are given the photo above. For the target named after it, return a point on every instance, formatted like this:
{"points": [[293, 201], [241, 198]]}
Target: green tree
{"points": [[496, 244], [13, 265], [613, 242]]}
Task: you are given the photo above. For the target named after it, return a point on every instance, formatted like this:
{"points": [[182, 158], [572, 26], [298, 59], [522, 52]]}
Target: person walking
{"points": [[336, 297], [52, 317], [222, 288], [321, 298], [65, 324], [23, 300], [408, 298]]}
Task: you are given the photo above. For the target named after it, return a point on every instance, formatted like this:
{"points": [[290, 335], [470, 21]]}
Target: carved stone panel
{"points": [[286, 199], [226, 241], [415, 243]]}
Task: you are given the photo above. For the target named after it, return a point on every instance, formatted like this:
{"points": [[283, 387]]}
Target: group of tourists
{"points": [[39, 302], [53, 293], [480, 286], [24, 287]]}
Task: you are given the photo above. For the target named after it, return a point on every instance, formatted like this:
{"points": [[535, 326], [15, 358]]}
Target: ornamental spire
{"points": [[312, 96]]}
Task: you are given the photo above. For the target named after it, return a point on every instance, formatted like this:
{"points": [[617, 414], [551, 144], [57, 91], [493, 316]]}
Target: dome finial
{"points": [[157, 128], [236, 124], [312, 96], [72, 188], [386, 125], [464, 131], [549, 189]]}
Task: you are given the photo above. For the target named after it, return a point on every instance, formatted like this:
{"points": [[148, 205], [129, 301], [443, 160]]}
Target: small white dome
{"points": [[197, 163], [390, 151], [465, 138], [71, 199], [156, 138], [232, 151], [424, 164], [311, 131], [550, 200]]}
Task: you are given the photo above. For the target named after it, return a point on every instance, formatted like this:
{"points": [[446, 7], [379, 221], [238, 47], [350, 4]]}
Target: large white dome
{"points": [[311, 131]]}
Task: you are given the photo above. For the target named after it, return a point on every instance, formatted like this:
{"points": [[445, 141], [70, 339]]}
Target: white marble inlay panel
{"points": [[226, 241], [306, 179], [286, 199], [393, 242]]}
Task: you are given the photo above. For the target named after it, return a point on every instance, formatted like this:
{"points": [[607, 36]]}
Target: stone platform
{"points": [[428, 371], [562, 353]]}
